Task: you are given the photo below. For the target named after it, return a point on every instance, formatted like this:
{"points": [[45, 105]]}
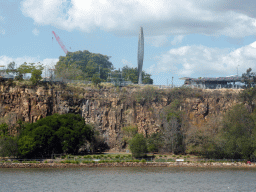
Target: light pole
{"points": [[237, 69]]}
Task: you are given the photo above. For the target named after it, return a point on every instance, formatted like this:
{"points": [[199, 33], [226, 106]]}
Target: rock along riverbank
{"points": [[127, 164]]}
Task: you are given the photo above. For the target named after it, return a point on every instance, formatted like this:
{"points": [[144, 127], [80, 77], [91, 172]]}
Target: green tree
{"points": [[248, 96], [11, 68], [131, 74], [26, 146], [96, 80], [8, 144], [23, 69], [138, 146], [249, 78], [36, 74], [155, 142], [85, 64], [146, 78], [172, 120], [54, 134], [35, 70], [238, 128], [3, 130]]}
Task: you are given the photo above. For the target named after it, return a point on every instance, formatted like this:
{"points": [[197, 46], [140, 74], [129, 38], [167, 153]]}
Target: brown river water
{"points": [[128, 179]]}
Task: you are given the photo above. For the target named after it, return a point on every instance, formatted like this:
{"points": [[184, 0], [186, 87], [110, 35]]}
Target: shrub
{"points": [[143, 161], [96, 80], [117, 156], [67, 161], [138, 146], [87, 162], [160, 160]]}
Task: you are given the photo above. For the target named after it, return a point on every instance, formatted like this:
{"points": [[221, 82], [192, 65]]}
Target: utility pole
{"points": [[167, 82], [172, 82], [237, 69]]}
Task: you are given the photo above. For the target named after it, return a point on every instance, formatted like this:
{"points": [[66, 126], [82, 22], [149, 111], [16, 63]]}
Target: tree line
{"points": [[55, 134], [23, 69], [84, 65], [80, 65]]}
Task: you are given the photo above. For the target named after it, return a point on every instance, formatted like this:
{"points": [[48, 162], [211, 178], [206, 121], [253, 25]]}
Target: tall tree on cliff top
{"points": [[82, 65], [249, 78], [131, 74]]}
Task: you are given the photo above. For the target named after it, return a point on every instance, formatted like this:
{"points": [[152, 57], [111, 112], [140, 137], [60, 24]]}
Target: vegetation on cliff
{"points": [[23, 69], [54, 134], [84, 65], [228, 135], [184, 120]]}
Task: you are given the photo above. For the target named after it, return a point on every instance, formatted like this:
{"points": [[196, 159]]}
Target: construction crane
{"points": [[60, 42]]}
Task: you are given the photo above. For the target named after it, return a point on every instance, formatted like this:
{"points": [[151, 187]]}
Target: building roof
{"points": [[204, 79]]}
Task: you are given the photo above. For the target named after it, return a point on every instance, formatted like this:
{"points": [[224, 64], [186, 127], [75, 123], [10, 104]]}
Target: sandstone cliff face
{"points": [[108, 109]]}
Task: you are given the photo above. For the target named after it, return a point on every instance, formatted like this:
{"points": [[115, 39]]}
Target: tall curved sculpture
{"points": [[140, 54]]}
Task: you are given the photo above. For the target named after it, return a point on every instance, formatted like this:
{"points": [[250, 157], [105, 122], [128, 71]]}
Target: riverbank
{"points": [[128, 164]]}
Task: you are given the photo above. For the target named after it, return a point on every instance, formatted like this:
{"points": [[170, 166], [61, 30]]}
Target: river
{"points": [[128, 179]]}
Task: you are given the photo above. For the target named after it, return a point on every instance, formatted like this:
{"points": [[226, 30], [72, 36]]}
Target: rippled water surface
{"points": [[128, 179]]}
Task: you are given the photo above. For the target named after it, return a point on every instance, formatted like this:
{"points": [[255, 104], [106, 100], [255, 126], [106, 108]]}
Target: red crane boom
{"points": [[60, 42]]}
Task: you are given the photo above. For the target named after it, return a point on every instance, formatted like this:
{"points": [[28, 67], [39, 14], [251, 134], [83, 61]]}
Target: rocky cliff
{"points": [[110, 109]]}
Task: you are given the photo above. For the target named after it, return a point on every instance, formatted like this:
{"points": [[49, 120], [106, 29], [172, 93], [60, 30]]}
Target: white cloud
{"points": [[177, 39], [157, 41], [2, 31], [158, 17], [36, 32], [202, 61], [128, 63], [5, 60], [1, 19]]}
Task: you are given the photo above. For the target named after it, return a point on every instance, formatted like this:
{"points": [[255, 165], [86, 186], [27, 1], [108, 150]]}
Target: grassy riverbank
{"points": [[122, 160]]}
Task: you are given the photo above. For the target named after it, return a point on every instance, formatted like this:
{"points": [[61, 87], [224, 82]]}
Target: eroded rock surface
{"points": [[108, 109]]}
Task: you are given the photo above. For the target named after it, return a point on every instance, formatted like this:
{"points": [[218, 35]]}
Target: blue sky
{"points": [[192, 38]]}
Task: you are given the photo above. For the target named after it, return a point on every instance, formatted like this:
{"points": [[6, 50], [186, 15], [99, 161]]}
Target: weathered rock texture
{"points": [[108, 109]]}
